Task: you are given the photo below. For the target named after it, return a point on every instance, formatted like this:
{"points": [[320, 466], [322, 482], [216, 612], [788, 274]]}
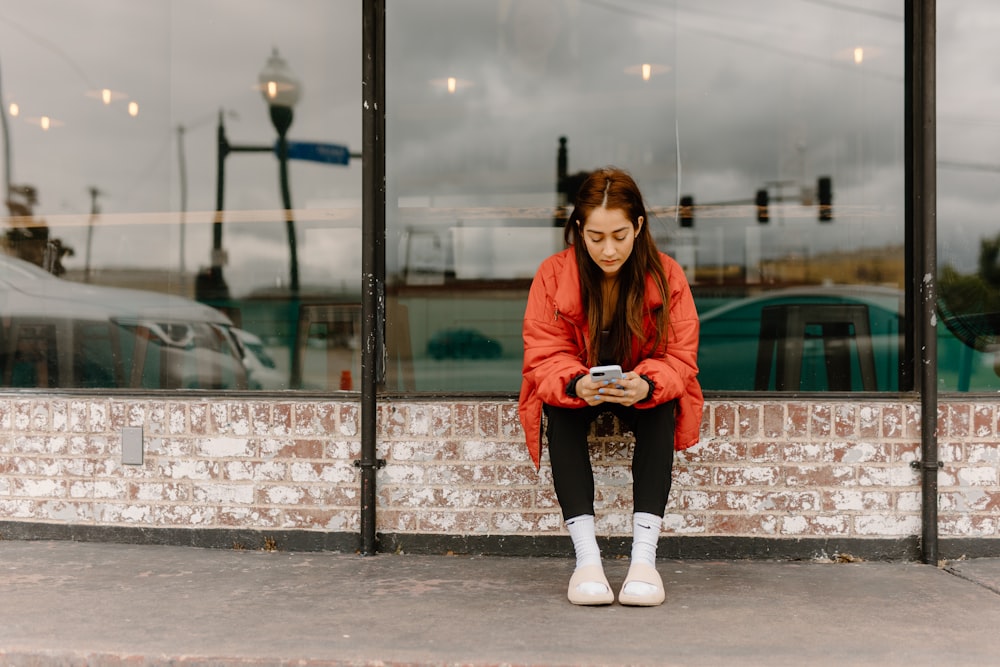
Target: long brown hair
{"points": [[614, 189]]}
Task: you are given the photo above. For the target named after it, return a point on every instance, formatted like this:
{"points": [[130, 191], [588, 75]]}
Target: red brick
{"points": [[958, 421], [983, 422], [510, 422], [488, 421], [465, 416], [775, 423], [743, 524], [820, 420], [845, 420], [819, 476], [721, 421], [749, 420]]}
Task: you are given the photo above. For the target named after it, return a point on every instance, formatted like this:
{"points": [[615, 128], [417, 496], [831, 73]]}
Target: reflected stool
{"points": [[785, 327]]}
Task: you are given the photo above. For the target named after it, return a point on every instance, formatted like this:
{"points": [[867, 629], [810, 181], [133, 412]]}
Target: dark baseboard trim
{"points": [[677, 547], [687, 547], [207, 538]]}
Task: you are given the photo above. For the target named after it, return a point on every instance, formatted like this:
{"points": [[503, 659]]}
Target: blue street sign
{"points": [[316, 152]]}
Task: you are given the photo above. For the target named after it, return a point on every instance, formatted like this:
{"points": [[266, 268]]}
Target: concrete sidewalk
{"points": [[70, 603]]}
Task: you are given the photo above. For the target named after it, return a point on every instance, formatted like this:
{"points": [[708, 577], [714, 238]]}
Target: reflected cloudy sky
{"points": [[744, 94]]}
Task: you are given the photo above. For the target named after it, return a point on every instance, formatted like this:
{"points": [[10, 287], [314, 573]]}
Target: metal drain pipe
{"points": [[372, 255], [921, 199]]}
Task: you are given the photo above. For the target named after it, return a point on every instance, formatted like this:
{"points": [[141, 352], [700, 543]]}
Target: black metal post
{"points": [[282, 119], [562, 184], [562, 167], [372, 254], [216, 288], [921, 203]]}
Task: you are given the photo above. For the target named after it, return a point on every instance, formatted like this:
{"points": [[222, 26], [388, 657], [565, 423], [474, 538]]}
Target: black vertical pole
{"points": [[562, 186], [222, 150], [372, 253], [281, 117], [216, 287], [921, 202], [562, 167]]}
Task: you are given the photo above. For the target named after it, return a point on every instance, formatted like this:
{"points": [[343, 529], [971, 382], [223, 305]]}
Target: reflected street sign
{"points": [[317, 152]]}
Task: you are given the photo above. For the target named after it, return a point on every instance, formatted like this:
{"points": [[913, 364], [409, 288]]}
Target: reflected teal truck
{"points": [[731, 338]]}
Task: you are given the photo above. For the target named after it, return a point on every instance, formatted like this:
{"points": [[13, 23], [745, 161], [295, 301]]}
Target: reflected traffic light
{"points": [[762, 213], [824, 192], [685, 212]]}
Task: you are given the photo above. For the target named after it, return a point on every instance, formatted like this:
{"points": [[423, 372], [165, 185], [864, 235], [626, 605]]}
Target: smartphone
{"points": [[606, 373]]}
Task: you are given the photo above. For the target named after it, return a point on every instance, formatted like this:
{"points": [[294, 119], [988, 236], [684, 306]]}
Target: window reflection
{"points": [[968, 131], [112, 114], [767, 136]]}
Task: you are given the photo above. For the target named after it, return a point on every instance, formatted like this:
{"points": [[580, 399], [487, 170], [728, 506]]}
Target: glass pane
{"points": [[767, 138], [116, 270], [968, 196]]}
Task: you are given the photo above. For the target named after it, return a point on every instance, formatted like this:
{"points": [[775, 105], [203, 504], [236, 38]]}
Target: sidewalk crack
{"points": [[995, 589]]}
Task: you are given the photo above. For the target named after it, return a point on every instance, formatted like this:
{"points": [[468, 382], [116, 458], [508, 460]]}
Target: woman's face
{"points": [[609, 236]]}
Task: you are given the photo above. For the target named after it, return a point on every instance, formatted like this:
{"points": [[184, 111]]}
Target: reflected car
{"points": [[462, 344], [730, 335], [58, 333], [262, 370]]}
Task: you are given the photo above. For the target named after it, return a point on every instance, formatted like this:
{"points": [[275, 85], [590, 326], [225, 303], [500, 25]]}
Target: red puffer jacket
{"points": [[556, 342]]}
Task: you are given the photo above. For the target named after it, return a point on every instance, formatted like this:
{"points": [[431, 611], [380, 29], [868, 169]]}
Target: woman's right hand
{"points": [[628, 390]]}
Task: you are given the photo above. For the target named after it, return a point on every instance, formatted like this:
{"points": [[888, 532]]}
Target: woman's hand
{"points": [[628, 390]]}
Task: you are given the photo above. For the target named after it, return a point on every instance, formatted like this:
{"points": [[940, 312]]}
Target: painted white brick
{"points": [[186, 469], [239, 494], [225, 447], [211, 470], [795, 525], [43, 488], [977, 476], [284, 495], [886, 525]]}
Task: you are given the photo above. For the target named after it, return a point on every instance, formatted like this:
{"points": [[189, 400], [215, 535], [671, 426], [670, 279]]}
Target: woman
{"points": [[611, 298]]}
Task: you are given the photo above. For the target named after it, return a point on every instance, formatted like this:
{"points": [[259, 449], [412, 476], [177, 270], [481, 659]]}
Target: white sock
{"points": [[581, 529], [645, 534]]}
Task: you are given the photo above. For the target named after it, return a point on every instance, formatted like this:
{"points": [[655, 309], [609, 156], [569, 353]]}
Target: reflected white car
{"points": [[58, 333], [262, 370]]}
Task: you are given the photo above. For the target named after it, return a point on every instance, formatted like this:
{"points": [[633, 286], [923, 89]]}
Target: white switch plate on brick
{"points": [[132, 446]]}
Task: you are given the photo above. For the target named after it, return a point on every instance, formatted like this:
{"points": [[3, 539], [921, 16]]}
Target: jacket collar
{"points": [[569, 300]]}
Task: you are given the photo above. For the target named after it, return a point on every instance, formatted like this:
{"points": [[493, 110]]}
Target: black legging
{"points": [[652, 460]]}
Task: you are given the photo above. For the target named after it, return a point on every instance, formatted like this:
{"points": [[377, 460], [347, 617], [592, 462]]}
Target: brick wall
{"points": [[806, 469]]}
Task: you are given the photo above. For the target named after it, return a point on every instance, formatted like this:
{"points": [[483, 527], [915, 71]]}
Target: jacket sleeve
{"points": [[675, 368], [552, 345]]}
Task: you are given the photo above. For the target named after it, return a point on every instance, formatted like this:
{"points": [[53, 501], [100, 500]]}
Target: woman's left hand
{"points": [[628, 390]]}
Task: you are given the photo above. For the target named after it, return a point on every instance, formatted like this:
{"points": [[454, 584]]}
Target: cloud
{"points": [[748, 93]]}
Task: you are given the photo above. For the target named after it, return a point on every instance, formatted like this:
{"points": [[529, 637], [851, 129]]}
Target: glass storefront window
{"points": [[968, 140], [116, 270], [767, 137]]}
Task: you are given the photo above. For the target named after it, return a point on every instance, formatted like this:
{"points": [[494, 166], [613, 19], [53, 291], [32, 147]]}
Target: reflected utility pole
{"points": [[182, 166], [6, 142], [95, 210]]}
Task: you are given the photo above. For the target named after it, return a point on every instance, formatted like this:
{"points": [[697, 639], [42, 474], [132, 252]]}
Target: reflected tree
{"points": [[969, 304], [27, 237]]}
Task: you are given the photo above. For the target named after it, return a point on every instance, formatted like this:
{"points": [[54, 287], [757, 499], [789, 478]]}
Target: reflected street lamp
{"points": [[281, 91]]}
